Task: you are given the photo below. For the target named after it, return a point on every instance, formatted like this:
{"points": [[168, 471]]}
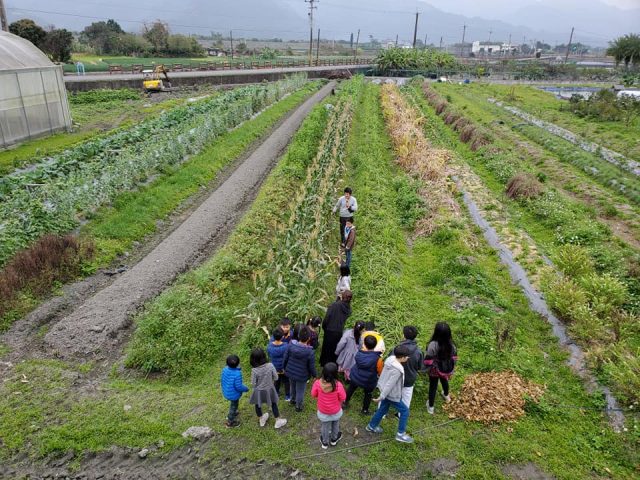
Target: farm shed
{"points": [[33, 99]]}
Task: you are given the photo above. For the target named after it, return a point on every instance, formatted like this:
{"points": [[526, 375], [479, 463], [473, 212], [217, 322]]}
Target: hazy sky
{"points": [[596, 21]]}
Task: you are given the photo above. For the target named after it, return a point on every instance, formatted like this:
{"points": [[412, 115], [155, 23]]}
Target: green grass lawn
{"points": [[397, 279]]}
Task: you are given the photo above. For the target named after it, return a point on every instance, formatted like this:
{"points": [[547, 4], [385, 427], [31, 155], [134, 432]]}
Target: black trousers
{"points": [[366, 401], [329, 344], [274, 408], [284, 381], [433, 388]]}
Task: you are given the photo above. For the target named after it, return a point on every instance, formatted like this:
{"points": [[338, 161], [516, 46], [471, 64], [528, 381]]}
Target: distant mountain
{"points": [[250, 18], [548, 20], [596, 20]]}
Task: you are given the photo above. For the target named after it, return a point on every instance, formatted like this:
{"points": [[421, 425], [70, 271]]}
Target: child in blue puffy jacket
{"points": [[232, 388]]}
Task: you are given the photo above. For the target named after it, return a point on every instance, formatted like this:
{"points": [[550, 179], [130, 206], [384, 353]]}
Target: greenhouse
{"points": [[33, 99]]}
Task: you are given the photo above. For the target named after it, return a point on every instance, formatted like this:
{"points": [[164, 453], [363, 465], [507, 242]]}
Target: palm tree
{"points": [[625, 49]]}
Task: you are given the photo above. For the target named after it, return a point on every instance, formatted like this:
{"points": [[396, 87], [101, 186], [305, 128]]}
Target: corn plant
{"points": [[293, 280]]}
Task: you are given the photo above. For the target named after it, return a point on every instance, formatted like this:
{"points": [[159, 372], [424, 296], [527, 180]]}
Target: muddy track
{"points": [[98, 324]]}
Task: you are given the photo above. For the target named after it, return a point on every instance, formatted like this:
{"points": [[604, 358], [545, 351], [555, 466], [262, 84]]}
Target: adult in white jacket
{"points": [[347, 205], [390, 385]]}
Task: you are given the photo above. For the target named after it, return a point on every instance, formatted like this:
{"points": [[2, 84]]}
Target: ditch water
{"points": [[539, 305]]}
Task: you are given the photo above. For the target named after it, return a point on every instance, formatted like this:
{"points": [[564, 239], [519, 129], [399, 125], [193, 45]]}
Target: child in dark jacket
{"points": [[232, 388], [365, 372], [414, 365], [440, 359], [276, 350], [300, 365], [263, 376], [314, 325], [285, 326], [349, 240]]}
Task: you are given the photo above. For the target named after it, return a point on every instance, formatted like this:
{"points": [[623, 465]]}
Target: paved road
{"points": [[97, 323], [207, 73]]}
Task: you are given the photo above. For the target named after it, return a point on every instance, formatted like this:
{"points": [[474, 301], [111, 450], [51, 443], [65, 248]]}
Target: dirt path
{"points": [[98, 323]]}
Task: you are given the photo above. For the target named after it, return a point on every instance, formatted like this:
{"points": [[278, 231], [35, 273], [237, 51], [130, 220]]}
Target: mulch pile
{"points": [[493, 397]]}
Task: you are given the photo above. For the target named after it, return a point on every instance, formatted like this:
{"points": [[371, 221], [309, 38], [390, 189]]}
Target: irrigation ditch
{"points": [[521, 277], [538, 304]]}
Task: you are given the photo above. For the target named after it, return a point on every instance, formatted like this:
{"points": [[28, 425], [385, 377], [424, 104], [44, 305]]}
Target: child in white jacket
{"points": [[390, 385]]}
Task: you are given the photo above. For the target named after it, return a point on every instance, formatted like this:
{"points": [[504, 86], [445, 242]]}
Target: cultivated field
{"points": [[445, 179]]}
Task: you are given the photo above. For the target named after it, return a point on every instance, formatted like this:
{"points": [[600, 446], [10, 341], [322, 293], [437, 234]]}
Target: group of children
{"points": [[292, 366], [356, 353]]}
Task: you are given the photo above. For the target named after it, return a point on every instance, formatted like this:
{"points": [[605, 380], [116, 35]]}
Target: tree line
{"points": [[108, 38]]}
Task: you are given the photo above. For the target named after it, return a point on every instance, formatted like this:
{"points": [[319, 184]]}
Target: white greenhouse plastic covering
{"points": [[33, 99]]}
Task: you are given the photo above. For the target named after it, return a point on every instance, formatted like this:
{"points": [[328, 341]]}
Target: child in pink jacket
{"points": [[330, 394]]}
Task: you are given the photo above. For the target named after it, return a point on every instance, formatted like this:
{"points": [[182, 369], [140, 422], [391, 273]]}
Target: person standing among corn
{"points": [[347, 204]]}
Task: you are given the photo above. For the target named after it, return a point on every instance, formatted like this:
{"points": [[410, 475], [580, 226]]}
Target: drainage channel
{"points": [[537, 303]]}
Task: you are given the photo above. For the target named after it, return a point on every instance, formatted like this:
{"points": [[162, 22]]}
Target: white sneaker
{"points": [[447, 398], [281, 422], [431, 410], [264, 418]]}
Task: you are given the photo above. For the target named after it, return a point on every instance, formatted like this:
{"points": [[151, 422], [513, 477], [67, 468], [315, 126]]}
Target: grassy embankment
{"points": [[595, 288], [544, 105], [580, 173], [134, 215]]}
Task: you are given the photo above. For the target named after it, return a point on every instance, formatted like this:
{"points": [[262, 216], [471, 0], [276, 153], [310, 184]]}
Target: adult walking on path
{"points": [[333, 326], [347, 204]]}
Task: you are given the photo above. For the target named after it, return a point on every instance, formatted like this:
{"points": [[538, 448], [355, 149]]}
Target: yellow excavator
{"points": [[156, 80]]}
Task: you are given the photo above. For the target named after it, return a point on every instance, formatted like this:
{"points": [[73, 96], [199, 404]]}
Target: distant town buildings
{"points": [[493, 48]]}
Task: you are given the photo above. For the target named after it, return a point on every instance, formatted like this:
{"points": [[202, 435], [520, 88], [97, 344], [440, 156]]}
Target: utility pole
{"points": [[509, 52], [396, 40], [231, 36], [415, 30], [464, 30], [318, 48], [490, 32], [440, 43], [569, 46], [425, 40], [3, 17], [311, 9], [355, 52]]}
